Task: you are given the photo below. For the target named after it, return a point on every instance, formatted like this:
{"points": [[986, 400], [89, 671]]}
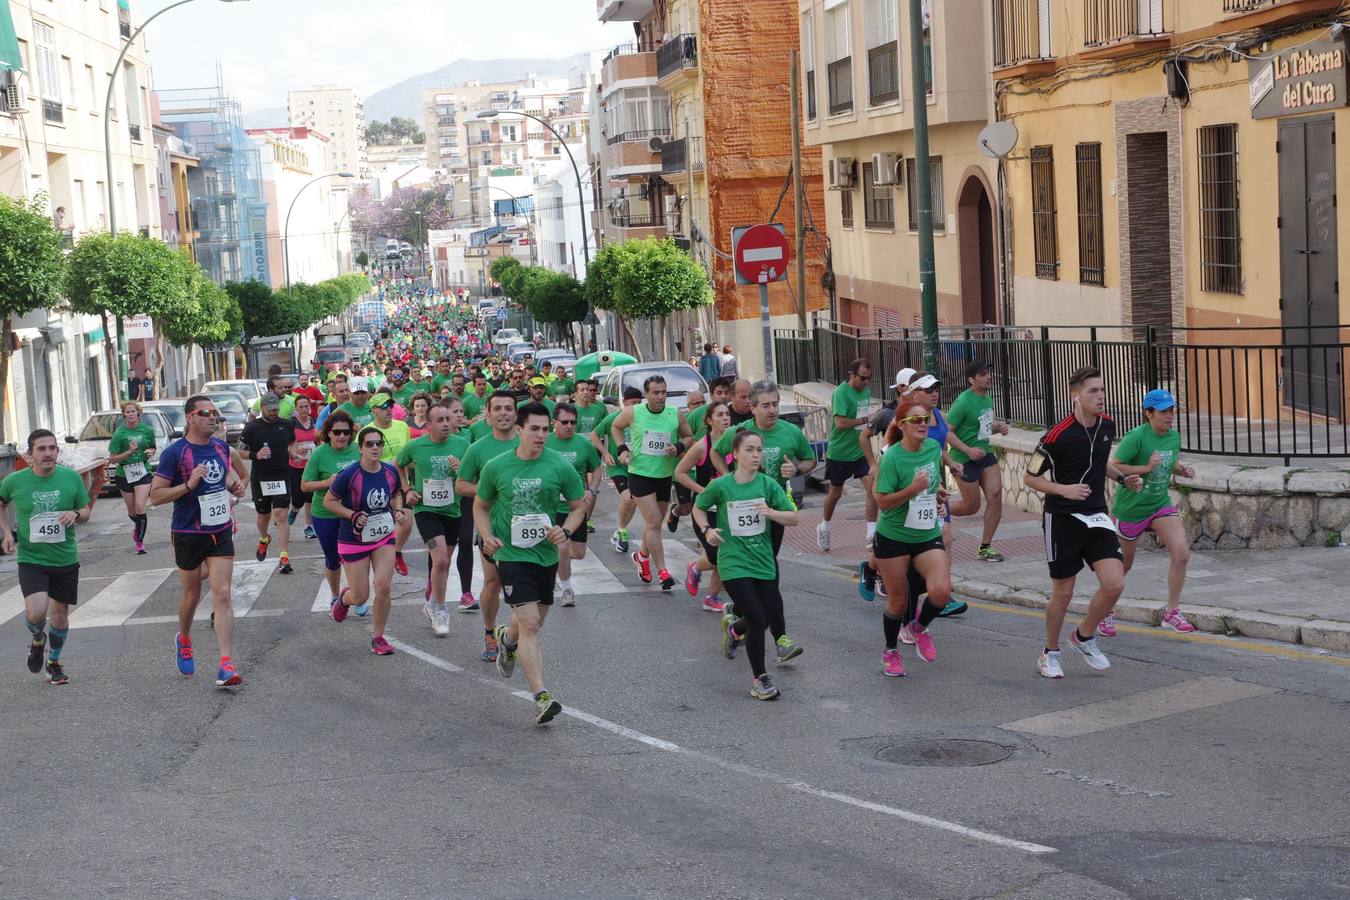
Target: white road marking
{"points": [[1158, 703], [173, 620], [11, 604], [114, 604], [762, 774], [249, 580]]}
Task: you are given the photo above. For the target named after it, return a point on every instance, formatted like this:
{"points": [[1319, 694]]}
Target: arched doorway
{"points": [[978, 253]]}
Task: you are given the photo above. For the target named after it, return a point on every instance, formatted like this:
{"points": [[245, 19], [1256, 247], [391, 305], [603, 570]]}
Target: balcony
{"points": [[628, 65], [632, 154], [622, 226], [52, 112], [1275, 12], [124, 29], [1021, 36], [1126, 25], [623, 10], [678, 155], [135, 132], [677, 57], [643, 136]]}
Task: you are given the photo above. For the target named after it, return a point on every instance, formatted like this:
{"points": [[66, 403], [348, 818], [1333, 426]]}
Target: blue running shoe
{"points": [[363, 610], [228, 677], [186, 664], [867, 582]]}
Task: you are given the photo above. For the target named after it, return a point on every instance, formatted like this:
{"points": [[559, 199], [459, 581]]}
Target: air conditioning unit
{"points": [[654, 144], [841, 172], [11, 99], [886, 168]]}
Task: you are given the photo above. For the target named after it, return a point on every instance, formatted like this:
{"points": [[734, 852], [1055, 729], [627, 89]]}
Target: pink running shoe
{"points": [[692, 577], [713, 604], [907, 634], [1174, 620], [644, 566], [338, 608], [1107, 627], [467, 602], [891, 664], [923, 642], [380, 647]]}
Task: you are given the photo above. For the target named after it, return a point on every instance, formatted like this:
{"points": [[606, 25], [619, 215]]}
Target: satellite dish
{"points": [[998, 139], [655, 144]]}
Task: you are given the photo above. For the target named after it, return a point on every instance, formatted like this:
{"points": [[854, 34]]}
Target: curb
{"points": [[1320, 633]]}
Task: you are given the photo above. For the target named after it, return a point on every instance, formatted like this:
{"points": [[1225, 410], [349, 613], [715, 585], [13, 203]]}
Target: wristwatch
{"points": [[567, 533], [1120, 479]]}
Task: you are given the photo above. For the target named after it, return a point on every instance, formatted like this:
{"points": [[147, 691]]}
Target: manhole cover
{"points": [[944, 752]]}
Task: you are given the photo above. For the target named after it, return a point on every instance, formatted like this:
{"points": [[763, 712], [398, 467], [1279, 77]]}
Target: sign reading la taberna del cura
{"points": [[1302, 79]]}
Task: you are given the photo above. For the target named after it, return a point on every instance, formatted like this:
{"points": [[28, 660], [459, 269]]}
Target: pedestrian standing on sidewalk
{"points": [[1070, 467], [844, 456], [710, 363], [731, 367], [1152, 451], [971, 423]]}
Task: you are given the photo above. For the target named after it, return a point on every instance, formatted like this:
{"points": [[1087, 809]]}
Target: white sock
{"points": [[565, 583], [871, 530], [824, 526]]}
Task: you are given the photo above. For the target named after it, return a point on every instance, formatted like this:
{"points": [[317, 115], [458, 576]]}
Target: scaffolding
{"points": [[229, 208]]}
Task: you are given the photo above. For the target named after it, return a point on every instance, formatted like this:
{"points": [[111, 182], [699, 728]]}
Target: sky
{"points": [[267, 47]]}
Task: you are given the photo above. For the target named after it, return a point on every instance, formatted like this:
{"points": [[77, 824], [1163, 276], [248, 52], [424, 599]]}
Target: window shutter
{"points": [[1043, 27], [1150, 17], [841, 38]]}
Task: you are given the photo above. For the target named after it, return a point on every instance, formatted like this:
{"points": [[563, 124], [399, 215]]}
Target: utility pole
{"points": [[923, 186], [798, 194]]}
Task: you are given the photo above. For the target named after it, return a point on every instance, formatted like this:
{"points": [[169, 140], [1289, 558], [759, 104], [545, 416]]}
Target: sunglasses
{"points": [[564, 421], [345, 432], [205, 413], [913, 420], [372, 443]]}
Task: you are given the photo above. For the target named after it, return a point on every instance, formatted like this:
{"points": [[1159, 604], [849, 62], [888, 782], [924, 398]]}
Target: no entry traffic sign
{"points": [[760, 254]]}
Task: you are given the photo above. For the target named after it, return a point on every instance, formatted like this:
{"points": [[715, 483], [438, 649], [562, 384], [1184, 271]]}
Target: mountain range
{"points": [[405, 97]]}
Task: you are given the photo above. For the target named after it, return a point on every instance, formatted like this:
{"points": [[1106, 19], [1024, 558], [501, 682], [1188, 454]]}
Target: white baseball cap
{"points": [[902, 379], [925, 381]]}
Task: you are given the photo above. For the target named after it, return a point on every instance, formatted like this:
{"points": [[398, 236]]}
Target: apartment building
{"points": [[858, 90], [56, 67], [1177, 165], [340, 114]]}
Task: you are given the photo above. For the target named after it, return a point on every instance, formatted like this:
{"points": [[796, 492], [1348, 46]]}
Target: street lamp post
{"points": [[581, 191], [286, 229], [107, 153], [529, 235]]}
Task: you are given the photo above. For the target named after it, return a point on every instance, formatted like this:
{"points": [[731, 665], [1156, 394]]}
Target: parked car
{"points": [[516, 351], [681, 378], [506, 336], [98, 431], [558, 356], [234, 409], [249, 390], [172, 409]]}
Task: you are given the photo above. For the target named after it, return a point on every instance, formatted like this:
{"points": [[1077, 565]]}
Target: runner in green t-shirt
{"points": [[428, 465], [514, 510], [971, 423], [475, 399], [909, 532], [844, 456], [747, 501], [617, 472], [718, 389], [48, 500], [589, 410], [131, 447], [335, 451], [358, 407], [501, 437], [1152, 453], [578, 451]]}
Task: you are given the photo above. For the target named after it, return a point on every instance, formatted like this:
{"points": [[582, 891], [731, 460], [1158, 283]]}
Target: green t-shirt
{"points": [[843, 445], [473, 404], [588, 417], [480, 452], [515, 487], [32, 496], [971, 418], [749, 553], [895, 473], [285, 410], [784, 441], [650, 430], [479, 430], [121, 442], [548, 404], [432, 461], [1135, 449], [361, 415], [561, 387], [396, 437], [579, 452], [404, 395], [323, 464], [440, 380], [698, 420], [616, 470]]}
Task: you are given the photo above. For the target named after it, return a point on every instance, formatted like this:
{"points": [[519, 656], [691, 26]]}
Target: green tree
{"points": [[257, 308], [363, 259], [32, 270], [123, 276], [503, 269], [645, 279]]}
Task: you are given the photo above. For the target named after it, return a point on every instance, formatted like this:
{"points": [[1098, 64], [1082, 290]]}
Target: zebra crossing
{"points": [[150, 596]]}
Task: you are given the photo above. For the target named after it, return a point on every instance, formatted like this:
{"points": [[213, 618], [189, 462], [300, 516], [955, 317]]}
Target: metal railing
{"points": [[629, 50], [1105, 21], [1020, 32], [680, 52], [644, 135], [135, 132], [1253, 392], [52, 112], [1241, 6], [630, 220]]}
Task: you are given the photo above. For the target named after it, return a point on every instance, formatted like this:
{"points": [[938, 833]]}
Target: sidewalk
{"points": [[1299, 596]]}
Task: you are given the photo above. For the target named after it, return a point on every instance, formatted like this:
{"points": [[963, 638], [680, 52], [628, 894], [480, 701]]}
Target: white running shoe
{"points": [[429, 613], [1049, 666], [440, 620], [823, 537], [1092, 654], [906, 635], [569, 597]]}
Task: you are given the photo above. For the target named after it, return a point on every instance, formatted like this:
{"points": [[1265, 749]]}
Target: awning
{"points": [[9, 41]]}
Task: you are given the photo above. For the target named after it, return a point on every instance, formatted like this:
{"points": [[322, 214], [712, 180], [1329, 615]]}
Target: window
{"points": [[1044, 231], [92, 88], [936, 194], [883, 60], [133, 102], [809, 63], [839, 71], [846, 207], [1091, 246], [1220, 237], [48, 74], [69, 68], [878, 205]]}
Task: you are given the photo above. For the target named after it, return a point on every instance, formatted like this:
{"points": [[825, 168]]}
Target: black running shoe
{"points": [[56, 674], [36, 651], [673, 521]]}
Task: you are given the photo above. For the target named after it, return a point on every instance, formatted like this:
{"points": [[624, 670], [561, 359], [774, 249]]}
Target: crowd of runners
{"points": [[499, 469]]}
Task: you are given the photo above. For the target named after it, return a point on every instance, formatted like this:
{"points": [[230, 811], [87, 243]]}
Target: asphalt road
{"points": [[1197, 767]]}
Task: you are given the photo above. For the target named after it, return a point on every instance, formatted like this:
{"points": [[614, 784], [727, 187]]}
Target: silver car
{"points": [[681, 378], [97, 433]]}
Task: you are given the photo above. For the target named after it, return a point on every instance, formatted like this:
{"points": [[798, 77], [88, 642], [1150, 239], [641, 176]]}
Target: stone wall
{"points": [[1225, 506]]}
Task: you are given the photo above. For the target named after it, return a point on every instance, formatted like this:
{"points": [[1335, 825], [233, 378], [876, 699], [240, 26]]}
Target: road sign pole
{"points": [[765, 331], [923, 189]]}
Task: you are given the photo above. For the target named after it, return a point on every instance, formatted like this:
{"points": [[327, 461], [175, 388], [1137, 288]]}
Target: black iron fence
{"points": [[1264, 392], [680, 52]]}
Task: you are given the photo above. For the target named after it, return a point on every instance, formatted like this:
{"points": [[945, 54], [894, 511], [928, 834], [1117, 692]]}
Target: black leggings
{"points": [[759, 605], [464, 549]]}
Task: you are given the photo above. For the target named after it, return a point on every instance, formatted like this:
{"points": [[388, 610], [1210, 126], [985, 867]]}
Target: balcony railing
{"points": [[124, 29], [1107, 21], [678, 155], [629, 49], [839, 74], [1021, 34], [1242, 6], [135, 132], [626, 136], [680, 52], [52, 112], [632, 220]]}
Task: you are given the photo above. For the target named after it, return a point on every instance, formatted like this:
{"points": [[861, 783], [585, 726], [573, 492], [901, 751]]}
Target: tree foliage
{"points": [[363, 259], [406, 214], [32, 270], [265, 313], [127, 275], [646, 279], [398, 130]]}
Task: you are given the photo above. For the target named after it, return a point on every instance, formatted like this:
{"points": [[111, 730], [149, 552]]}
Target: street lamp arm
{"points": [[286, 229]]}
